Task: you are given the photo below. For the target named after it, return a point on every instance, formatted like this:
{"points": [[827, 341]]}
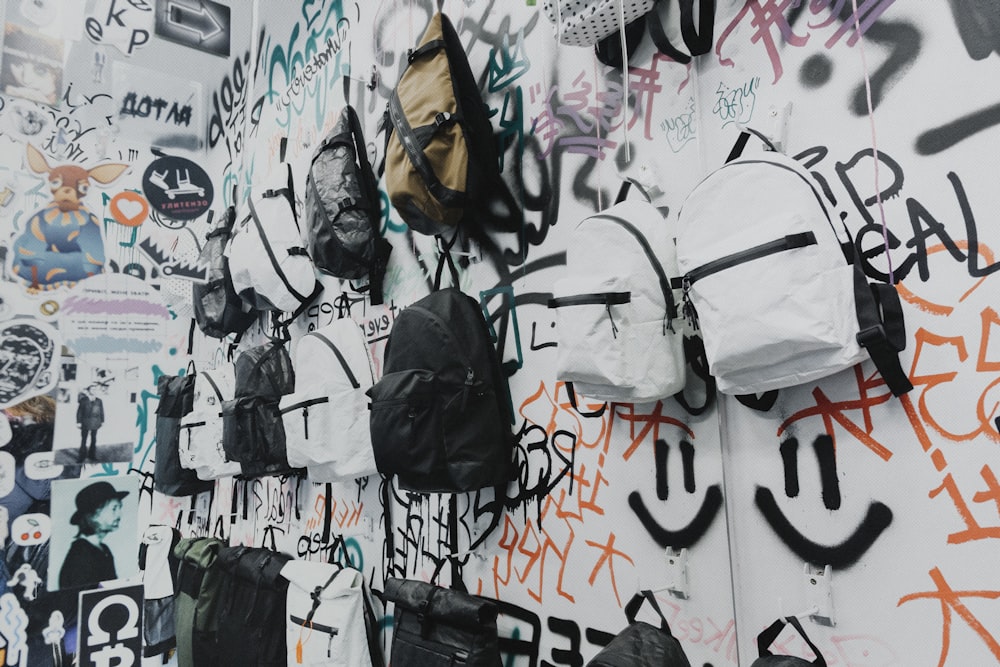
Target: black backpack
{"points": [[218, 309], [252, 431], [176, 394], [440, 417], [252, 608], [768, 636], [641, 644], [343, 208]]}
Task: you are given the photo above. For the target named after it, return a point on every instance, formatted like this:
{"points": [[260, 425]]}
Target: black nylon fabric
{"points": [[342, 212], [641, 645], [252, 430], [440, 627], [218, 309], [176, 394], [252, 608], [440, 418]]}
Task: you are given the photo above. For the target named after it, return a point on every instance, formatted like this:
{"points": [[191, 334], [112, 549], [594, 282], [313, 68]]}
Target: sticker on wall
{"points": [[32, 65], [124, 24], [29, 530], [95, 533], [28, 354], [199, 24], [8, 469], [95, 415], [111, 627], [157, 109], [62, 243], [42, 465], [12, 631], [113, 315], [129, 208], [178, 188]]}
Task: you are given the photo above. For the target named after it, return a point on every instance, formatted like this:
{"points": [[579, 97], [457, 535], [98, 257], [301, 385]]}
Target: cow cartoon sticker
{"points": [[62, 243]]}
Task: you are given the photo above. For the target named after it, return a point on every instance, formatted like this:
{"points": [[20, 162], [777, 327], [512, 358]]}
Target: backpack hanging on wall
{"points": [[440, 417], [176, 393], [617, 309], [697, 39], [331, 619], [253, 433], [200, 447], [326, 421], [218, 309], [779, 297], [440, 156], [199, 589], [641, 644], [767, 638], [441, 627], [343, 208], [269, 265], [159, 598], [252, 607], [586, 22]]}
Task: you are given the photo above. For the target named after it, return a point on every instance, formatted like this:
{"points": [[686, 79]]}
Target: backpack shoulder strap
{"points": [[770, 633], [340, 357]]}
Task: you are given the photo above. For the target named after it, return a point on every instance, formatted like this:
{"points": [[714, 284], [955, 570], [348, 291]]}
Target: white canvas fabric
{"points": [[326, 616], [326, 421], [586, 22], [617, 317], [200, 447], [773, 291], [269, 265]]}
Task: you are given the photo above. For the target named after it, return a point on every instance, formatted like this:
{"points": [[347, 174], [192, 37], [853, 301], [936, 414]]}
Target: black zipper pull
{"points": [[470, 379], [688, 310], [305, 421], [614, 328]]}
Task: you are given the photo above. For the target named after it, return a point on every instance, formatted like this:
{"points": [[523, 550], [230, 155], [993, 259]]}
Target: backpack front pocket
{"points": [[592, 318], [406, 428]]}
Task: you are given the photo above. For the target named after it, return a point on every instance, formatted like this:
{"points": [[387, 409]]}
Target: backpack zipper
{"points": [[789, 242], [305, 411], [671, 313]]}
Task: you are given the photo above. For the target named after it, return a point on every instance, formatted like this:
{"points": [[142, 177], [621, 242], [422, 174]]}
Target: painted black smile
{"points": [[689, 535], [838, 556]]}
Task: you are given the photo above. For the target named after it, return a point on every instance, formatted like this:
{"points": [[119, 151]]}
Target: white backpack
{"points": [[200, 446], [617, 307], [269, 265], [586, 22], [326, 420], [331, 620], [777, 300]]}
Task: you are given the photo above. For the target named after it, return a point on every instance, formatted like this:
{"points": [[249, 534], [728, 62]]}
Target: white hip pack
{"points": [[617, 318], [331, 621], [269, 265], [200, 445], [586, 22], [780, 299], [326, 422]]}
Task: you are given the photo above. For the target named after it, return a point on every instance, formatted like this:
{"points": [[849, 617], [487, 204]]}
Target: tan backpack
{"points": [[440, 156]]}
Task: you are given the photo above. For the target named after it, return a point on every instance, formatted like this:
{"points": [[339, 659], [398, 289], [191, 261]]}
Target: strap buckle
{"points": [[441, 118], [872, 335], [345, 203]]}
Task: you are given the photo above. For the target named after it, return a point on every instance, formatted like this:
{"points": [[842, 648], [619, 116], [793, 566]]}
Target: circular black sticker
{"points": [[177, 187]]}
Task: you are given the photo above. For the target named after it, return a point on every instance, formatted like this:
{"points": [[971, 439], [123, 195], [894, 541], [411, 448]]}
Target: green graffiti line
{"points": [[303, 71]]}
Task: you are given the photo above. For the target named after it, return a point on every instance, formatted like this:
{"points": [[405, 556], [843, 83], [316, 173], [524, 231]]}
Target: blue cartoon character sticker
{"points": [[62, 244]]}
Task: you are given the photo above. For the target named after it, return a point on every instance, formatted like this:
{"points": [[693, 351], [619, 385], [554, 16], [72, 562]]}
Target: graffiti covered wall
{"points": [[872, 517]]}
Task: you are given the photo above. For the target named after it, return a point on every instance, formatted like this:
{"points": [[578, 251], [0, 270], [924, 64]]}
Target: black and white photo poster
{"points": [[95, 532]]}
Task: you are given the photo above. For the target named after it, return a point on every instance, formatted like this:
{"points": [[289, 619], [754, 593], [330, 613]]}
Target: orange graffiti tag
{"points": [[951, 601]]}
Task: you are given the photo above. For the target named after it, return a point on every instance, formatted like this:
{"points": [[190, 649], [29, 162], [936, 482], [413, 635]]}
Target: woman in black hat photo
{"points": [[98, 514]]}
